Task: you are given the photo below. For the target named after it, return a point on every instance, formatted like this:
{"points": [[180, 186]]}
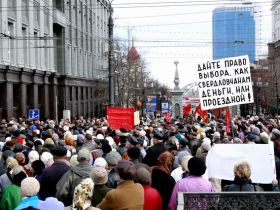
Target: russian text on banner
{"points": [[225, 82]]}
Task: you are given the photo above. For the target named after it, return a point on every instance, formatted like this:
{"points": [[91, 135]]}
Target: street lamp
{"points": [[110, 56]]}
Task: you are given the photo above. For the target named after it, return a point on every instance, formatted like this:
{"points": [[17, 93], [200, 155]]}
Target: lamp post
{"points": [[110, 56]]}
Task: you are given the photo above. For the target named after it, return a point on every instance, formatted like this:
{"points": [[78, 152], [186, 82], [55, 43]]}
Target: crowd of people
{"points": [[85, 164]]}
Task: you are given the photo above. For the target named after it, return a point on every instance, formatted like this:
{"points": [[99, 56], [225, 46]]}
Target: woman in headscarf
{"points": [[161, 178]]}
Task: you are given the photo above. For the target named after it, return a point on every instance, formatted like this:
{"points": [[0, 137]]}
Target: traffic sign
{"points": [[34, 114]]}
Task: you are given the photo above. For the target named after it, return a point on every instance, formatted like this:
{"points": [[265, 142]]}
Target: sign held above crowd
{"points": [[119, 117], [225, 82]]}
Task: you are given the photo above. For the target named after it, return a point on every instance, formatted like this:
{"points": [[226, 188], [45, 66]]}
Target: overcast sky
{"points": [[169, 30]]}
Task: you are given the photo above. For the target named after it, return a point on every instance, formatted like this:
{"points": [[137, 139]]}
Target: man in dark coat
{"points": [[52, 174], [154, 151], [66, 185]]}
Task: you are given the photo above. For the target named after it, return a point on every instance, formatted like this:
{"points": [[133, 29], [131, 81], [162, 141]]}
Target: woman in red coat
{"points": [[152, 198]]}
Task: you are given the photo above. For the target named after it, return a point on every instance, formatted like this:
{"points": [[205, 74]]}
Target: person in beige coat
{"points": [[128, 195]]}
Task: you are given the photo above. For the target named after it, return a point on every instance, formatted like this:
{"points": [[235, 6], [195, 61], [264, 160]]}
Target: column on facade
{"points": [[34, 93], [23, 99], [79, 102], [9, 100], [67, 97], [53, 101], [85, 111], [89, 108], [74, 110], [46, 101]]}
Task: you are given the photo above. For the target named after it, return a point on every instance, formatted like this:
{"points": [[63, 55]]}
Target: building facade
{"points": [[274, 59], [234, 32], [53, 56]]}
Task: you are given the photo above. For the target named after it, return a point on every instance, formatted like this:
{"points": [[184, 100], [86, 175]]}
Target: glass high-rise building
{"points": [[234, 32]]}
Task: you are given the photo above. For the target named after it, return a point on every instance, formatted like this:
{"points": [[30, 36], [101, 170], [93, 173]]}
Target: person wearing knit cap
{"points": [[99, 176], [112, 159], [52, 174], [100, 162], [80, 141], [32, 156], [152, 198], [128, 195], [47, 159], [51, 204], [192, 183], [12, 194], [202, 151], [66, 185], [29, 189]]}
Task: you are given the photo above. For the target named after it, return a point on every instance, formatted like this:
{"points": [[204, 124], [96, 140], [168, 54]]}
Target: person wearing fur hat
{"points": [[154, 152], [66, 185], [29, 189], [99, 176], [82, 196], [192, 183], [12, 195], [128, 195]]}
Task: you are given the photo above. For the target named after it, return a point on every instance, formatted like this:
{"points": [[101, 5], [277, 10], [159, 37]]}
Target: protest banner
{"points": [[120, 117], [151, 103], [221, 159], [66, 115], [225, 82], [136, 118]]}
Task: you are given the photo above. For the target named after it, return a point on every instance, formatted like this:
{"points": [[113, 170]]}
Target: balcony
{"points": [[60, 18]]}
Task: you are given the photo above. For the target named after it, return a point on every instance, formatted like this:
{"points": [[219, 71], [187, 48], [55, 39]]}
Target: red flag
{"points": [[227, 120], [187, 109], [138, 103], [167, 117], [202, 113]]}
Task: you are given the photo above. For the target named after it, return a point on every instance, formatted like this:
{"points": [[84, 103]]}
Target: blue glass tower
{"points": [[234, 32]]}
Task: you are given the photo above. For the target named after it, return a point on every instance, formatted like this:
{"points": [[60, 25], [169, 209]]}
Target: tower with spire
{"points": [[176, 79], [177, 94]]}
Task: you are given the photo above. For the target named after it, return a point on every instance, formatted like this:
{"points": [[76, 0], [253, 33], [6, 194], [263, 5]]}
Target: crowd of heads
{"points": [[29, 147]]}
